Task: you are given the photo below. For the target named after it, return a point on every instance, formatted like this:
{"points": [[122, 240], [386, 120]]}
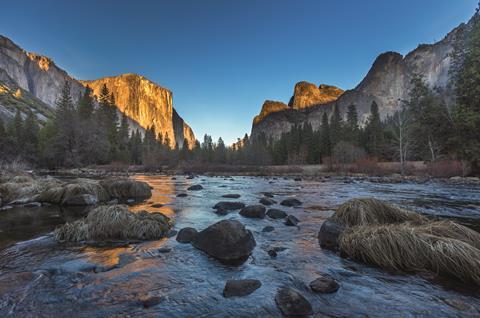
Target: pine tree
{"points": [[123, 140], [351, 127], [374, 132], [14, 135], [336, 126], [325, 141], [185, 151], [29, 137], [220, 151], [3, 140], [85, 105]]}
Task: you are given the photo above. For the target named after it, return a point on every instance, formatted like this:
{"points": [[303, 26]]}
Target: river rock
{"points": [[291, 220], [253, 211], [186, 235], [127, 189], [240, 287], [292, 303], [324, 284], [268, 228], [228, 241], [268, 194], [229, 206], [329, 233], [267, 201], [182, 195], [231, 196], [276, 214], [81, 199], [156, 205], [195, 187], [291, 202]]}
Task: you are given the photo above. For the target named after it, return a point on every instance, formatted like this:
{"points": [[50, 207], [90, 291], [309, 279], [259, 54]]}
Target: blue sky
{"points": [[223, 58]]}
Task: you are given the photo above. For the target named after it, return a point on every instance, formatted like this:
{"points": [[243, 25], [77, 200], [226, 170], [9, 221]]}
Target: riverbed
{"points": [[42, 278]]}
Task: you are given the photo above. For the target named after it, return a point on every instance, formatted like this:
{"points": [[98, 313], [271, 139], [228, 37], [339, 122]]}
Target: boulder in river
{"points": [[324, 284], [268, 228], [82, 199], [291, 202], [267, 201], [240, 287], [195, 187], [268, 194], [156, 205], [276, 214], [182, 195], [229, 206], [228, 241], [186, 235], [124, 189], [253, 211], [292, 303]]}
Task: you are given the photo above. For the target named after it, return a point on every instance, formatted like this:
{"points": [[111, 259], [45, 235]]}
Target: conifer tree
{"points": [[86, 105], [374, 132], [325, 141], [336, 126], [351, 128]]}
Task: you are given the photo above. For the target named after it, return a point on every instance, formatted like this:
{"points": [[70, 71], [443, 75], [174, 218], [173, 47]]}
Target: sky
{"points": [[222, 59]]}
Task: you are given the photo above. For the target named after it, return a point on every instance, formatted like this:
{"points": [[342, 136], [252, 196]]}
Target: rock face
{"points": [[37, 82], [147, 103], [227, 240], [387, 83]]}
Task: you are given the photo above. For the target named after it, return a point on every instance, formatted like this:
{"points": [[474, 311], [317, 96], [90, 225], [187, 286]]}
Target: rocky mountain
{"points": [[29, 81], [387, 83]]}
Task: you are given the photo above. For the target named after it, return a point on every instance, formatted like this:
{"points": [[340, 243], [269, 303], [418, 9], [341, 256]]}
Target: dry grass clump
{"points": [[116, 222], [369, 211], [126, 188], [396, 239], [409, 248]]}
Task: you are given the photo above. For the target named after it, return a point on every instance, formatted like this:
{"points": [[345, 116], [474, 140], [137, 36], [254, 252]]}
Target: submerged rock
{"points": [[276, 214], [228, 241], [291, 202], [156, 205], [195, 187], [268, 228], [229, 206], [268, 194], [253, 211], [186, 235], [231, 196], [182, 195], [267, 201], [292, 303], [291, 220], [240, 287], [324, 284]]}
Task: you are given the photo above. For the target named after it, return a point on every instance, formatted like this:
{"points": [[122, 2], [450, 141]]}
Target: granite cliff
{"points": [[29, 81], [387, 83]]}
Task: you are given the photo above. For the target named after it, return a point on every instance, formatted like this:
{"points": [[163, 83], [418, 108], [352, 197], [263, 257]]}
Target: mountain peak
{"points": [[307, 95]]}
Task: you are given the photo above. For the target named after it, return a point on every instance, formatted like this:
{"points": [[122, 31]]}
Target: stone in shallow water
{"points": [[231, 196], [228, 241], [186, 235], [229, 206], [267, 201], [182, 195], [268, 194], [156, 205], [253, 211], [291, 220], [240, 287], [324, 284], [276, 214], [195, 187], [291, 202], [268, 228], [329, 233], [292, 303]]}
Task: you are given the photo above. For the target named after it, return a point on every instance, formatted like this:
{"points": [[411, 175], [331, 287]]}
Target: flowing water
{"points": [[41, 278]]}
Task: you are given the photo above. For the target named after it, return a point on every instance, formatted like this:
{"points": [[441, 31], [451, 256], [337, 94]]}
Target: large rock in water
{"points": [[228, 241], [253, 211], [124, 189], [329, 234], [240, 287]]}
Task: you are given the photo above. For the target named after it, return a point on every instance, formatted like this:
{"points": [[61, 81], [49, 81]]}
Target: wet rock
{"points": [[182, 195], [291, 220], [324, 284], [292, 303], [6, 207], [253, 211], [268, 228], [82, 199], [33, 205], [297, 179], [151, 301], [329, 233], [156, 205], [240, 287], [231, 196], [190, 177], [291, 202], [272, 253], [276, 214], [111, 202], [229, 206], [267, 201], [164, 250], [228, 241], [171, 233], [195, 187], [186, 235], [173, 178], [268, 194]]}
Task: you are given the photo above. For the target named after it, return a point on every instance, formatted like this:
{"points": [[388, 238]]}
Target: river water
{"points": [[41, 278]]}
